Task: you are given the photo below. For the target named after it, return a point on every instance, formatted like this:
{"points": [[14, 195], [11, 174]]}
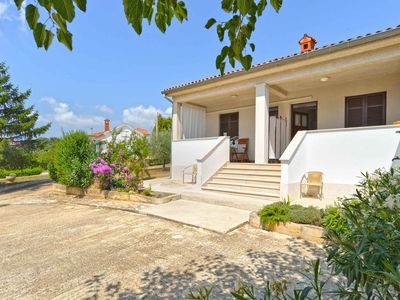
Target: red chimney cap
{"points": [[307, 43]]}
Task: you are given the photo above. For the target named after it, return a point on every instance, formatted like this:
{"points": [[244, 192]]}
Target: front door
{"points": [[304, 117], [300, 122]]}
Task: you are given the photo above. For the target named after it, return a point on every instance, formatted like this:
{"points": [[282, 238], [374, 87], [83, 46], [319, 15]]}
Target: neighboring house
{"points": [[124, 132], [327, 109]]}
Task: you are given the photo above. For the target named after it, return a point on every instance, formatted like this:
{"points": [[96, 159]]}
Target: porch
{"points": [[334, 95]]}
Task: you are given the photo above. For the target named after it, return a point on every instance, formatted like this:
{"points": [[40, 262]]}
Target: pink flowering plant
{"points": [[121, 166]]}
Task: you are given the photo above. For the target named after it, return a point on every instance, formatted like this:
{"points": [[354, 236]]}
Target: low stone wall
{"points": [[306, 232], [111, 195]]}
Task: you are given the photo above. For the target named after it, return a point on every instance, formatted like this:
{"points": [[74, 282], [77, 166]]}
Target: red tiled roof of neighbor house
{"points": [[286, 59], [97, 134], [143, 131]]}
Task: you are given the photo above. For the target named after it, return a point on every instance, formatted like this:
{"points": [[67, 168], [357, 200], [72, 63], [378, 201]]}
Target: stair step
{"points": [[245, 184], [250, 172], [240, 177], [239, 166], [244, 187], [272, 196]]}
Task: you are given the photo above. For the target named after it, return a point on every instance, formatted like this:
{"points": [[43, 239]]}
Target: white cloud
{"points": [[9, 12], [104, 108], [3, 10], [141, 116], [65, 117]]}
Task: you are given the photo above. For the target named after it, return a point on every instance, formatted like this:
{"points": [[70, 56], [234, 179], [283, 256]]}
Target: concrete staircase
{"points": [[247, 179]]}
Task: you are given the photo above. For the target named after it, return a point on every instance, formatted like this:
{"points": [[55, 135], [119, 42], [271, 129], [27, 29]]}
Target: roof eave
{"points": [[291, 59]]}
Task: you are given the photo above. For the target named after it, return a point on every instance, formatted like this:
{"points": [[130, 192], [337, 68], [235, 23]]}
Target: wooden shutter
{"points": [[366, 110], [376, 109], [354, 111]]}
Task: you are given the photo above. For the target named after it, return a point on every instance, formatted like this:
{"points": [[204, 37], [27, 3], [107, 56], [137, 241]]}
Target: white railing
{"points": [[188, 152], [341, 154], [213, 160]]}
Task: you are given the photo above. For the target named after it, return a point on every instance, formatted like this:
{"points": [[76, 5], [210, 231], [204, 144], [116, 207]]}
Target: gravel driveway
{"points": [[51, 248]]}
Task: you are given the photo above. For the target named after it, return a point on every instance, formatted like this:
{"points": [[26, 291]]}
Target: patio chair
{"points": [[242, 148], [311, 185], [192, 171]]}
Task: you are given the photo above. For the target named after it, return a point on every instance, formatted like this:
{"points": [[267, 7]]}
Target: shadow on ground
{"points": [[218, 271], [32, 185]]}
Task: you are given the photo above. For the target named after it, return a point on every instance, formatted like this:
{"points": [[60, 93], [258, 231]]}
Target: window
{"points": [[366, 110], [229, 124]]}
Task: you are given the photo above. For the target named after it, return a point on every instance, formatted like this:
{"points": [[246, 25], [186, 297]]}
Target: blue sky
{"points": [[114, 73]]}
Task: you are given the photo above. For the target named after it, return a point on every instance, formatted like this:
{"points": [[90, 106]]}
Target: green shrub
{"points": [[73, 154], [305, 215], [52, 171], [274, 213], [333, 220], [368, 253], [23, 172]]}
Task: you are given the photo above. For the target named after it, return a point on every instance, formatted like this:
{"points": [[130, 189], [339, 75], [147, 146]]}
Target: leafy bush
{"points": [[23, 172], [52, 171], [123, 165], [368, 253], [14, 157], [333, 220], [73, 154], [305, 215], [274, 213], [160, 147]]}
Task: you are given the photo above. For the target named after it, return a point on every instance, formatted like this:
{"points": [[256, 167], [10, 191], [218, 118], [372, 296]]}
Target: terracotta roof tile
{"points": [[143, 131], [276, 59]]}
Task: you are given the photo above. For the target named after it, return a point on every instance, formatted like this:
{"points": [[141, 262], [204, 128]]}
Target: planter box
{"points": [[307, 232], [93, 192]]}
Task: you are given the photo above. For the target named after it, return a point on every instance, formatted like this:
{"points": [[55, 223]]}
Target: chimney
{"points": [[106, 125], [307, 43]]}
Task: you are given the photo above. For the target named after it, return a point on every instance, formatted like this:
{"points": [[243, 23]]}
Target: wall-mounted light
{"points": [[324, 79]]}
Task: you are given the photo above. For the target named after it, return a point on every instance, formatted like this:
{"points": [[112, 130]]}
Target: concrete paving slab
{"points": [[220, 219]]}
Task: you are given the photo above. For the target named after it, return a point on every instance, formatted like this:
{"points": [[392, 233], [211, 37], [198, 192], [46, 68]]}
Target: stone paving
{"points": [[56, 248]]}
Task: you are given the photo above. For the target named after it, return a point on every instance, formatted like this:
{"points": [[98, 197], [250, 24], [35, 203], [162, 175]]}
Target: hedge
{"points": [[23, 172]]}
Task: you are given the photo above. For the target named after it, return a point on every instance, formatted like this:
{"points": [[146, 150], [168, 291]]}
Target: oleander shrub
{"points": [[367, 251], [23, 172], [305, 215], [73, 154], [274, 213]]}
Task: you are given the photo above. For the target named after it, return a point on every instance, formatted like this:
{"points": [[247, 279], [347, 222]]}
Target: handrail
{"points": [[222, 139]]}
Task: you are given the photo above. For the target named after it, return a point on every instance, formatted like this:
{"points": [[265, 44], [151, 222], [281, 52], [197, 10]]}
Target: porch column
{"points": [[262, 118], [176, 122]]}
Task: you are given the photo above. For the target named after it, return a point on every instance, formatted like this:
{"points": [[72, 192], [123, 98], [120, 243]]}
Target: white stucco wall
{"points": [[187, 152], [341, 155], [246, 125], [331, 100], [213, 160]]}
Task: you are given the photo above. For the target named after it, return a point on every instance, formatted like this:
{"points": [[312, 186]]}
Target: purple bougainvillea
{"points": [[109, 176]]}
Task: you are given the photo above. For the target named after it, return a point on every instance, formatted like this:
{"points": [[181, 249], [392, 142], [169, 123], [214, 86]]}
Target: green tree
{"points": [[73, 154], [44, 16], [162, 123], [17, 122], [160, 147], [14, 157]]}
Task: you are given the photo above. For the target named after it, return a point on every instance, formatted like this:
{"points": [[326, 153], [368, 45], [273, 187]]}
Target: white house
{"points": [[124, 132], [328, 109]]}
